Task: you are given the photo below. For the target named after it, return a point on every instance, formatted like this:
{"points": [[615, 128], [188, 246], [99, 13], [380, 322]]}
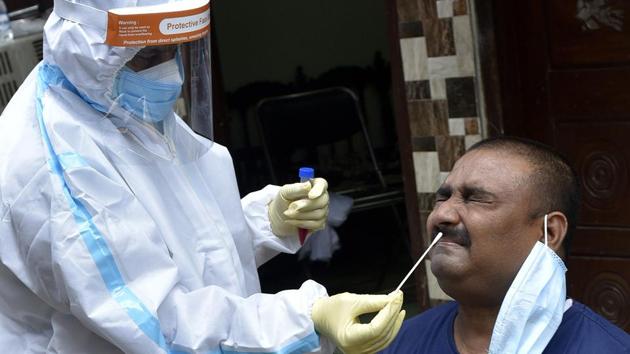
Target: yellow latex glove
{"points": [[303, 205], [336, 318]]}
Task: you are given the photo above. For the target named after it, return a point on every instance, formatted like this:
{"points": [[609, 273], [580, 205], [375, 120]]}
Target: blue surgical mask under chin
{"points": [[149, 94]]}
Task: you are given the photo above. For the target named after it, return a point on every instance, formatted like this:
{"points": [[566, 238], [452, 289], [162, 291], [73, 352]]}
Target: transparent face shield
{"points": [[169, 76], [161, 79], [197, 89]]}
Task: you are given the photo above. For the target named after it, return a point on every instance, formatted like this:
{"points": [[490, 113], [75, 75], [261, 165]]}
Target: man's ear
{"points": [[557, 226]]}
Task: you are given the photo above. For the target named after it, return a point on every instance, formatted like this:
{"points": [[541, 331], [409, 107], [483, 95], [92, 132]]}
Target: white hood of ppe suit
{"points": [[108, 248], [79, 49], [80, 52]]}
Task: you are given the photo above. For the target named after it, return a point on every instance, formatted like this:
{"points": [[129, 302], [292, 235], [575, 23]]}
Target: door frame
{"points": [[406, 153], [490, 69]]}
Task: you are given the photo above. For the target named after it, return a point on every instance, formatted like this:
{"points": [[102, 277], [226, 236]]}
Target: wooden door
{"points": [[564, 70]]}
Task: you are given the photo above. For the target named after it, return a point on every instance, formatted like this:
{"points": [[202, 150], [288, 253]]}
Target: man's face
{"points": [[483, 210]]}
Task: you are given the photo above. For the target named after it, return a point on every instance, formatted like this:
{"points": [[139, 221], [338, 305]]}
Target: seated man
{"points": [[506, 212]]}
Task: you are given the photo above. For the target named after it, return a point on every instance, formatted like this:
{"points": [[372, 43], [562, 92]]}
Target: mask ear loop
{"points": [[546, 229]]}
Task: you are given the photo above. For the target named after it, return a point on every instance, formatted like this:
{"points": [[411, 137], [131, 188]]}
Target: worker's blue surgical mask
{"points": [[151, 93], [533, 306]]}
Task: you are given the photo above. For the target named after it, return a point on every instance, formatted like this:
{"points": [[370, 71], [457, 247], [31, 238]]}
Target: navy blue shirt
{"points": [[581, 331]]}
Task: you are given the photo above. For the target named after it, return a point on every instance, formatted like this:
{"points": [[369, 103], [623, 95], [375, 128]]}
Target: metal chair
{"points": [[333, 138]]}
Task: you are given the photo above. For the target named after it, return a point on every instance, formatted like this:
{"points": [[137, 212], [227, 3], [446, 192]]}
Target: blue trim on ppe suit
{"points": [[94, 241]]}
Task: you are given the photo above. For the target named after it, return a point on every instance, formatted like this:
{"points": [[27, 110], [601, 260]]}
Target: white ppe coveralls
{"points": [[115, 239]]}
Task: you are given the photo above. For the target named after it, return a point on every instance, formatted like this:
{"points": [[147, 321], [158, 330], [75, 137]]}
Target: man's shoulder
{"points": [[585, 330], [426, 332], [605, 327]]}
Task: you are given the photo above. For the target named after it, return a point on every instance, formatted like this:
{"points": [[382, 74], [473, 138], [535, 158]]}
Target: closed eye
{"points": [[479, 200], [442, 194], [477, 195]]}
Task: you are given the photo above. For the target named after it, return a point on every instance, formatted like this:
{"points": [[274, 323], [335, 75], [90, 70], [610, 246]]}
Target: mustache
{"points": [[453, 234]]}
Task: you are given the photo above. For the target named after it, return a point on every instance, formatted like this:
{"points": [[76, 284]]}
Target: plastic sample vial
{"points": [[305, 174]]}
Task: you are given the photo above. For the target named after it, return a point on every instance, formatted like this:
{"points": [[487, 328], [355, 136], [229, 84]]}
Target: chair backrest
{"points": [[306, 121]]}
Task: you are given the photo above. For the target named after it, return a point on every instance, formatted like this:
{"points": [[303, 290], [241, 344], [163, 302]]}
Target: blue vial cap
{"points": [[306, 173]]}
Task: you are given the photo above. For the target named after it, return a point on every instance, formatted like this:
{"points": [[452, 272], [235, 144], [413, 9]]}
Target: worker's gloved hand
{"points": [[336, 318], [303, 205]]}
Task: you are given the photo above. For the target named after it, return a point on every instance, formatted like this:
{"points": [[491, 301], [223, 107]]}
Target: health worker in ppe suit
{"points": [[123, 231]]}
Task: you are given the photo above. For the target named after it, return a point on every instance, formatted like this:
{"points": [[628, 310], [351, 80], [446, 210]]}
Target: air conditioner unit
{"points": [[17, 58]]}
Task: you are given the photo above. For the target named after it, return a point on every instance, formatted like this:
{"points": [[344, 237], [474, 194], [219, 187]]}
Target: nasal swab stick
{"points": [[439, 235]]}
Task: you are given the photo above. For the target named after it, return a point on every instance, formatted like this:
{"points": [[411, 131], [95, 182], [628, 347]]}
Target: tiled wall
{"points": [[436, 44]]}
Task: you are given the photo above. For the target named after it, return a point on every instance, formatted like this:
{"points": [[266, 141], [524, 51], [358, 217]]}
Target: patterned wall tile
{"points": [[460, 7], [428, 117], [427, 167], [471, 140], [418, 90], [456, 126], [460, 93], [425, 143], [442, 67], [462, 33], [439, 69], [444, 8], [440, 110], [439, 34], [414, 10], [426, 201], [427, 9], [408, 10], [472, 126], [424, 215], [410, 29], [450, 148], [438, 88], [414, 58]]}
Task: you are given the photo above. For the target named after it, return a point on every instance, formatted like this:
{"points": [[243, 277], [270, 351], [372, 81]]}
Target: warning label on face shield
{"points": [[131, 28]]}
